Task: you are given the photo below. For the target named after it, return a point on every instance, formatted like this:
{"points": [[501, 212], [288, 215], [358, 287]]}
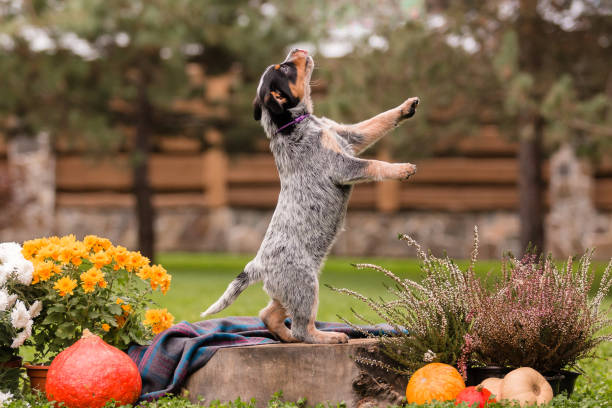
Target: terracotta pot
{"points": [[37, 375]]}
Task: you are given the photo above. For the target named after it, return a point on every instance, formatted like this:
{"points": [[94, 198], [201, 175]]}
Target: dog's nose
{"points": [[299, 51]]}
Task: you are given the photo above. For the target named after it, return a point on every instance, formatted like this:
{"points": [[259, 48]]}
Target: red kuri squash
{"points": [[472, 395], [90, 373]]}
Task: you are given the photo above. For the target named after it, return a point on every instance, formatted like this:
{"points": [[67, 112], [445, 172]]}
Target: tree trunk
{"points": [[529, 26], [145, 212], [530, 188]]}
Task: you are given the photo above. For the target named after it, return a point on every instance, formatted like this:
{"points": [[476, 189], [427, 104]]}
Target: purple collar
{"points": [[293, 122]]}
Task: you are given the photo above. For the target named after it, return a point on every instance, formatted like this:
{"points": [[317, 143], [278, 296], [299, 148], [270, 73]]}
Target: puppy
{"points": [[317, 165]]}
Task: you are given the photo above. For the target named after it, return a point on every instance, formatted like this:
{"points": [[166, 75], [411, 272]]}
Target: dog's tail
{"points": [[235, 288]]}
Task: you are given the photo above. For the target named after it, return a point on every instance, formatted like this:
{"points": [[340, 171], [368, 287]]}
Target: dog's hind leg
{"points": [[303, 312], [274, 316]]}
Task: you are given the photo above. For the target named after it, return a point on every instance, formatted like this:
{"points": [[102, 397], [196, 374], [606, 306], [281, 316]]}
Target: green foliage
{"points": [[430, 318], [92, 285]]}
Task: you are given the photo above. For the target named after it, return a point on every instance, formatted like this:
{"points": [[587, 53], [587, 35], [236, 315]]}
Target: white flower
{"points": [[5, 271], [11, 300], [5, 397], [429, 356], [19, 315], [35, 309], [4, 300], [10, 251], [23, 271], [13, 264], [23, 336]]}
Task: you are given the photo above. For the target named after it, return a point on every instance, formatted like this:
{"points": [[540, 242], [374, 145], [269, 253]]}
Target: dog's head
{"points": [[284, 89]]}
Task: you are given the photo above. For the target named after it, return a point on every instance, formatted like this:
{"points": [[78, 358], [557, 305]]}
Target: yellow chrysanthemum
{"points": [[73, 253], [144, 273], [158, 319], [100, 259], [91, 278], [160, 278], [65, 286], [126, 308], [105, 327], [49, 251], [88, 287], [136, 261], [43, 271], [67, 240], [120, 255], [31, 247], [96, 244]]}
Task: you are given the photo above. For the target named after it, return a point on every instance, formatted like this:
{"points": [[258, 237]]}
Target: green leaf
{"points": [[56, 308], [54, 318], [115, 309], [66, 330]]}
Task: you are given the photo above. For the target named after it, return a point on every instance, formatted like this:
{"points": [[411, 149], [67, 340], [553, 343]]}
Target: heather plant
{"points": [[430, 318], [538, 315]]}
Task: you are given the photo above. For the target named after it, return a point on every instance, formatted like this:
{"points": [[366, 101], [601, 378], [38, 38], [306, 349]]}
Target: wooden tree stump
{"points": [[319, 373]]}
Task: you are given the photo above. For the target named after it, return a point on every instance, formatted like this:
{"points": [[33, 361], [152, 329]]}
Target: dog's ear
{"points": [[256, 109], [275, 102]]}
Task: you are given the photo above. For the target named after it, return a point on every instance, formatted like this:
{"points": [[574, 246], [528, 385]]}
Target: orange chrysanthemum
{"points": [[100, 259], [65, 286], [91, 278], [158, 319]]}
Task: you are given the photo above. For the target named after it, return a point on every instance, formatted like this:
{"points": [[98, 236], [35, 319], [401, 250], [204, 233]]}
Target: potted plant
{"points": [[429, 318], [538, 315], [16, 313], [92, 284]]}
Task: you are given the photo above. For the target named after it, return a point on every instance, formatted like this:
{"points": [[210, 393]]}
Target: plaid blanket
{"points": [[179, 351]]}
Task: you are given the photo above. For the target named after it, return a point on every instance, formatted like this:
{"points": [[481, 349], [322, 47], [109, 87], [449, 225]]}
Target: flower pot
{"points": [[476, 375], [38, 376], [560, 381], [9, 373], [14, 362]]}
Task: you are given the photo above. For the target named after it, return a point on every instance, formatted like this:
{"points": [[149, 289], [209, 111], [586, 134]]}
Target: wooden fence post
{"points": [[387, 192]]}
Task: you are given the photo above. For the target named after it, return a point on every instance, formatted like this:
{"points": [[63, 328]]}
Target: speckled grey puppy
{"points": [[316, 162]]}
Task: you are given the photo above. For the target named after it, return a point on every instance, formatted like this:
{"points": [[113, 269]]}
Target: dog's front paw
{"points": [[408, 108], [405, 170]]}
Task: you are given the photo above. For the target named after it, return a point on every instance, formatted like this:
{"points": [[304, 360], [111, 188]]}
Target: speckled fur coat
{"points": [[317, 165]]}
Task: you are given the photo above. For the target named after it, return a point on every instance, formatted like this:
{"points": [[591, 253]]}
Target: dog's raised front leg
{"points": [[354, 170], [364, 134]]}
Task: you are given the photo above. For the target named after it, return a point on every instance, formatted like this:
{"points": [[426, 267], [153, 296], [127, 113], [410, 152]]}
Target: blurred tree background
{"points": [[86, 69]]}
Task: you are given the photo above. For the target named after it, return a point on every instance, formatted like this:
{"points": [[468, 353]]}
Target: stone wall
{"points": [[365, 233]]}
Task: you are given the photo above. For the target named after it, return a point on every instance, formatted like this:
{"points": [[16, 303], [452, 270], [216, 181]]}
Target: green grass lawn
{"points": [[199, 279]]}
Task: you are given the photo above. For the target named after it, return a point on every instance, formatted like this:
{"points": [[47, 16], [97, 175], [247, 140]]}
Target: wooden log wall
{"points": [[483, 177]]}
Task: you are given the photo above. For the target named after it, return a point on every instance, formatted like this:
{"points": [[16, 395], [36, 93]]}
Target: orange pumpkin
{"points": [[435, 381], [90, 373]]}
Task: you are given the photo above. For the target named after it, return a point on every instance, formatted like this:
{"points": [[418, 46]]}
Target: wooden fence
{"points": [[484, 178]]}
